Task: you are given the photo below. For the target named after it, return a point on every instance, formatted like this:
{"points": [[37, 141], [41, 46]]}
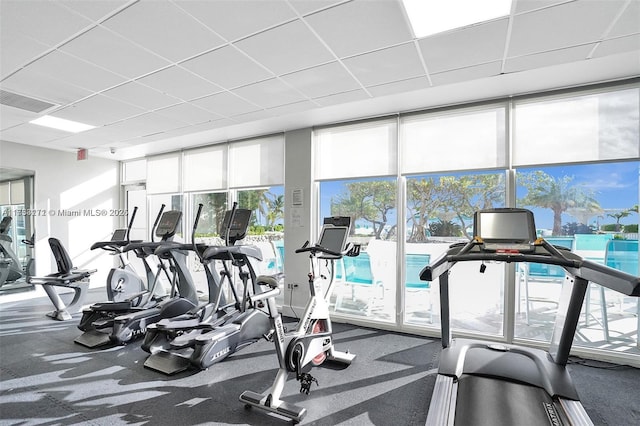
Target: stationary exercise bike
{"points": [[310, 344]]}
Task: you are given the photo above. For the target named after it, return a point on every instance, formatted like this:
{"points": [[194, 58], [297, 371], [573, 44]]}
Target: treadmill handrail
{"points": [[543, 253]]}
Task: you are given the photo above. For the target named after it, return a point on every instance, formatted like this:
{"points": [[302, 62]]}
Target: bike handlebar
{"points": [[314, 249]]}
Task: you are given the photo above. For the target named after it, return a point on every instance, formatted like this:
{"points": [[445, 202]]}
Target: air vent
{"points": [[23, 102]]}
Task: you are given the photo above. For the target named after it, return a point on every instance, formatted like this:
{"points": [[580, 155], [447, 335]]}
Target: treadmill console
{"points": [[505, 230], [168, 224]]}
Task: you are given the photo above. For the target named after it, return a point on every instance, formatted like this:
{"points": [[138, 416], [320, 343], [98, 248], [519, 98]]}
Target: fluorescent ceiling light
{"points": [[435, 16], [62, 124]]}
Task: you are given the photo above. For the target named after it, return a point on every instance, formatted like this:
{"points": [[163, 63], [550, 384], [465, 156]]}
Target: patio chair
{"points": [[623, 255], [540, 272], [414, 263]]}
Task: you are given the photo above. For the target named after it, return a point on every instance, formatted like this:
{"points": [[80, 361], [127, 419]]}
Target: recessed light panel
{"points": [[62, 124], [435, 16]]}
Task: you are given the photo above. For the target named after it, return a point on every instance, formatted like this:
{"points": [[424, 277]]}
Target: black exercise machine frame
{"points": [[545, 370]]}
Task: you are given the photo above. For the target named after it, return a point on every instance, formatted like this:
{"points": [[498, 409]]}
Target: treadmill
{"points": [[489, 383]]}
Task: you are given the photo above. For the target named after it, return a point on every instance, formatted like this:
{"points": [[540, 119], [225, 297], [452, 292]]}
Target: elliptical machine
{"points": [[310, 344], [119, 322], [212, 332], [10, 265], [123, 281]]}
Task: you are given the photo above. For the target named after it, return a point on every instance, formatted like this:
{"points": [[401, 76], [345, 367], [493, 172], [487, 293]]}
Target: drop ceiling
{"points": [[159, 75]]}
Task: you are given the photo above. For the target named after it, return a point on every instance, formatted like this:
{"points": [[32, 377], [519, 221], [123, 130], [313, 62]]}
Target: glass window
{"points": [[366, 283], [439, 213], [586, 208], [214, 205], [266, 228]]}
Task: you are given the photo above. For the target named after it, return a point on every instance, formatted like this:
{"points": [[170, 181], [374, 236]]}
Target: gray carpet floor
{"points": [[46, 379]]}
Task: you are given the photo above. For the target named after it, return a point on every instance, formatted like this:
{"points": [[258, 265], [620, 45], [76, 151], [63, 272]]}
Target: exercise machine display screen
{"points": [[333, 238], [168, 224], [119, 235], [239, 225], [505, 228]]}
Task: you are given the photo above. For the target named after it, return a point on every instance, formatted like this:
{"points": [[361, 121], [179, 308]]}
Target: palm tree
{"points": [[276, 209], [618, 216], [557, 194]]}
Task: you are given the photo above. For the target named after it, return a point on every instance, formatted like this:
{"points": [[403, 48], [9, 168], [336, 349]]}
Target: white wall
{"points": [[68, 197]]}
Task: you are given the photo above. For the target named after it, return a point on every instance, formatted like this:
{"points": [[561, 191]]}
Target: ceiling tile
{"points": [[114, 53], [42, 20], [629, 21], [467, 74], [74, 71], [16, 50], [142, 125], [399, 86], [180, 83], [341, 98], [227, 68], [289, 47], [557, 27], [546, 59], [291, 108], [10, 116], [31, 133], [188, 113], [141, 96], [465, 47], [95, 10], [305, 7], [269, 93], [88, 139], [386, 65], [167, 30], [361, 26], [44, 87], [529, 5], [619, 45], [98, 110], [225, 104], [323, 80], [234, 19]]}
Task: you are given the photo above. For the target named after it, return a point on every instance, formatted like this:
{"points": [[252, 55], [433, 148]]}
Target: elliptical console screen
{"points": [[168, 224], [508, 228], [119, 235], [333, 238], [238, 228]]}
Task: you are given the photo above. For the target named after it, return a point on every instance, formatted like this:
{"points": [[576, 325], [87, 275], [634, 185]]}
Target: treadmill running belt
{"points": [[488, 401]]}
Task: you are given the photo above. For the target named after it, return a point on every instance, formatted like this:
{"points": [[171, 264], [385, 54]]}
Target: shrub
{"points": [[631, 228]]}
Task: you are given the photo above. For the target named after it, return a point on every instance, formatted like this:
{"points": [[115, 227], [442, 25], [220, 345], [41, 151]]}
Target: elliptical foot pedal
{"points": [[93, 339], [167, 363]]}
